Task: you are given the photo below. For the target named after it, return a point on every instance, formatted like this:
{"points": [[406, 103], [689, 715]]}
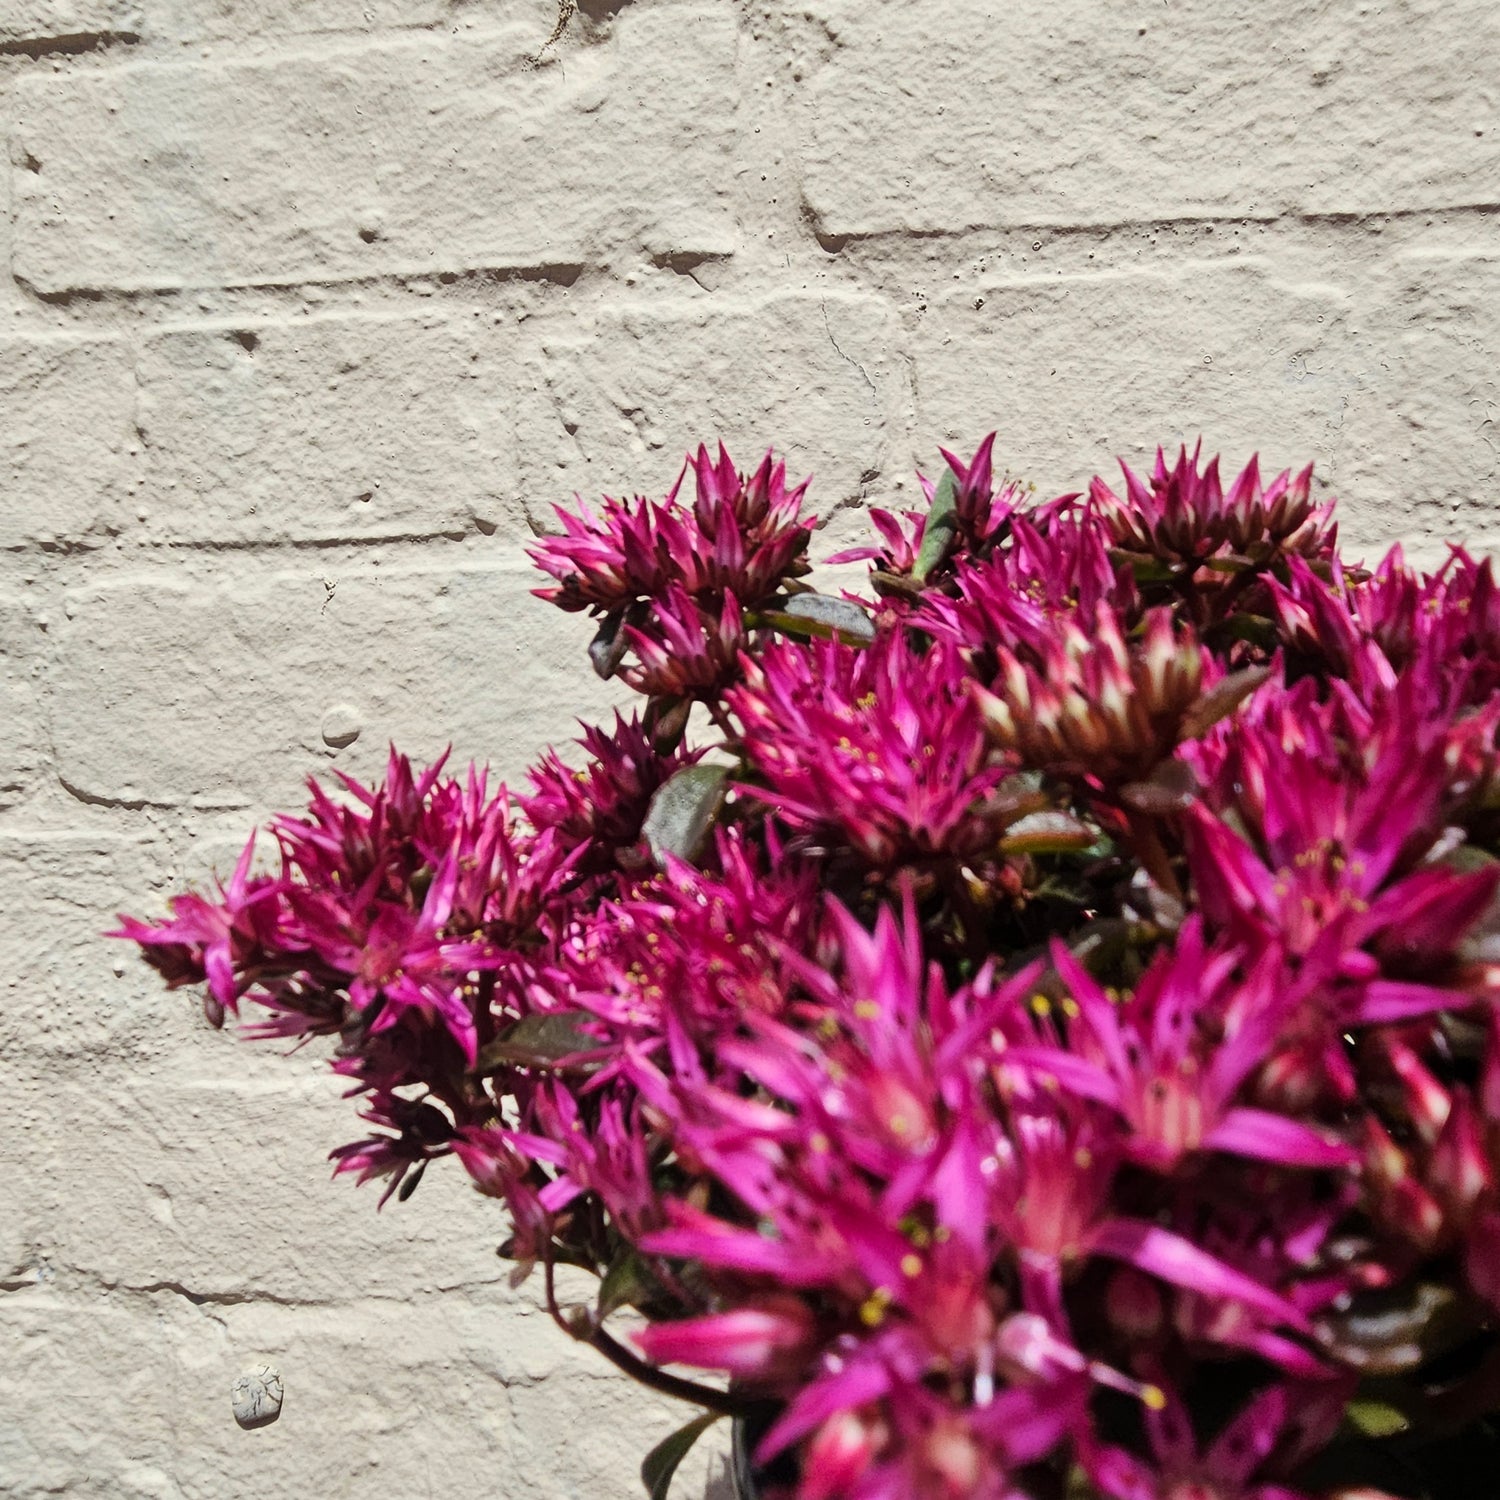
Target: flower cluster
{"points": [[1041, 1040], [672, 582]]}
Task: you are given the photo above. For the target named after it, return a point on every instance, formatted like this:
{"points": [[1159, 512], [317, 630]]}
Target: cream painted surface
{"points": [[314, 306]]}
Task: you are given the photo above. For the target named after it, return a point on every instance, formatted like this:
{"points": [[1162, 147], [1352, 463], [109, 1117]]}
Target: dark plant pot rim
{"points": [[751, 1479]]}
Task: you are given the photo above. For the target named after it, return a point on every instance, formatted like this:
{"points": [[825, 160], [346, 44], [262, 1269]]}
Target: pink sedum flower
{"points": [[1084, 703], [1185, 514], [879, 748], [1060, 1049]]}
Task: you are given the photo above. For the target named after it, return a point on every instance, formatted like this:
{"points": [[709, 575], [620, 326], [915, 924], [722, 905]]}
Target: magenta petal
{"points": [[746, 1341], [1094, 1005], [1161, 1253], [717, 1244], [852, 554], [1119, 1474], [1266, 1136], [1392, 1000], [1076, 1074], [1286, 1354], [218, 966], [1482, 1257], [1028, 1422], [861, 1381], [558, 1193], [1428, 911], [1246, 1442]]}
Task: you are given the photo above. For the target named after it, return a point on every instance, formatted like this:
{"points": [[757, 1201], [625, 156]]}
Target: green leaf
{"points": [[1078, 1486], [660, 1464], [942, 523], [1170, 788], [1230, 562], [1395, 1330], [1376, 1419], [537, 1042], [1466, 858], [683, 810], [1240, 626], [1481, 943], [1145, 568], [1100, 945], [1222, 700], [895, 583], [607, 649], [823, 617], [666, 721], [1048, 833], [627, 1283]]}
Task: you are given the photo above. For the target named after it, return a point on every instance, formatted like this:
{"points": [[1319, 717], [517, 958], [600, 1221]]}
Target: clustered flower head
{"points": [[1031, 1034], [672, 582]]}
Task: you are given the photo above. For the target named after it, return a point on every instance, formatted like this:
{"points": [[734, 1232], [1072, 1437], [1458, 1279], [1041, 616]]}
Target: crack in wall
{"points": [[72, 44]]}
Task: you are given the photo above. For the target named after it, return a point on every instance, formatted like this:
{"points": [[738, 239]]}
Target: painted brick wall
{"points": [[312, 306]]}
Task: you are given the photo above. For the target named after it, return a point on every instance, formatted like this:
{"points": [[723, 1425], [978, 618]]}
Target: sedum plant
{"points": [[1036, 1037]]}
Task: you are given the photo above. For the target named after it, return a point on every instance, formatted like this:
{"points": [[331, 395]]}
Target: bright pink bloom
{"points": [[879, 748], [602, 807], [1083, 703], [1326, 867], [1184, 513], [742, 535], [1020, 597], [1174, 1059], [765, 1338], [1281, 1422], [683, 649]]}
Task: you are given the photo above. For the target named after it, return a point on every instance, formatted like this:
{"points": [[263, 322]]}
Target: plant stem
{"points": [[621, 1357], [669, 1385]]}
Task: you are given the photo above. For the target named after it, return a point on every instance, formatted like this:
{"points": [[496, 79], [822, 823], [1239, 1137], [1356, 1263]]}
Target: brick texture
{"points": [[310, 308], [1098, 113], [249, 431], [416, 158], [423, 658], [1067, 364], [62, 27], [66, 444], [817, 377]]}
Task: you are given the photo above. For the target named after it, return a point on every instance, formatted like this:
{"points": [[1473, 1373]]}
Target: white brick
{"points": [[1419, 447], [286, 431], [1074, 370], [272, 21], [1096, 112], [21, 755], [223, 690], [62, 1000], [66, 432], [444, 155], [817, 377], [166, 1213], [207, 1164], [394, 1399]]}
